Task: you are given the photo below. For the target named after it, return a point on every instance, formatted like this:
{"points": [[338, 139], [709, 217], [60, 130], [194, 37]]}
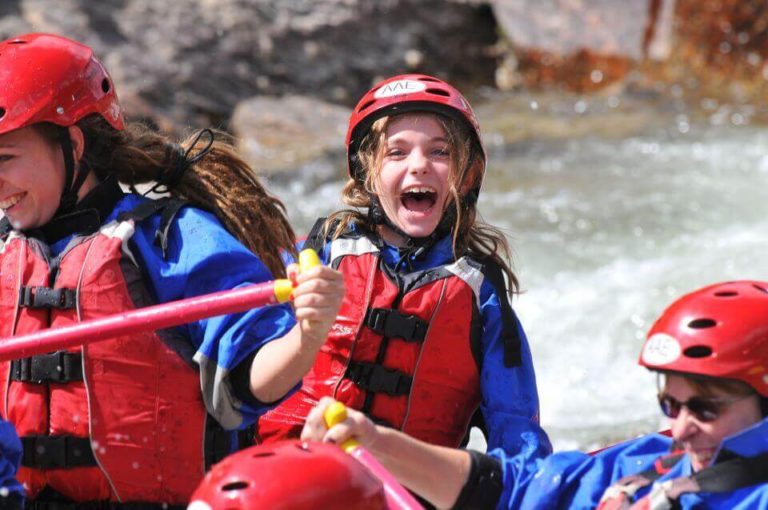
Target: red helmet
{"points": [[718, 331], [291, 475], [49, 78], [406, 93]]}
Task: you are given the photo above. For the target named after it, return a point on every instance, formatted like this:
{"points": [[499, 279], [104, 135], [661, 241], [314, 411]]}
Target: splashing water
{"points": [[607, 232]]}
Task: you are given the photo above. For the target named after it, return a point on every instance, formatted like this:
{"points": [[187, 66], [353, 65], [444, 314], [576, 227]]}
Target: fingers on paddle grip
{"points": [[284, 287]]}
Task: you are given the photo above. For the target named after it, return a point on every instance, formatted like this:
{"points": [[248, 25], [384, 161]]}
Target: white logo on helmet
{"points": [[399, 88], [661, 349]]}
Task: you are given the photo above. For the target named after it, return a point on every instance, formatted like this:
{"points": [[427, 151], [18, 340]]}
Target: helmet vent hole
{"points": [[726, 293], [438, 92], [698, 351], [235, 486], [365, 106], [761, 289], [262, 454], [2, 113], [702, 324], [105, 86], [428, 78], [18, 41]]}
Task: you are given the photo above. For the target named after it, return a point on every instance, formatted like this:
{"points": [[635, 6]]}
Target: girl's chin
{"points": [[418, 232], [418, 225]]}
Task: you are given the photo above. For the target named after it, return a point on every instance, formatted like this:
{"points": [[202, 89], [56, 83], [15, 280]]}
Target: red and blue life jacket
{"points": [[121, 419], [404, 348]]}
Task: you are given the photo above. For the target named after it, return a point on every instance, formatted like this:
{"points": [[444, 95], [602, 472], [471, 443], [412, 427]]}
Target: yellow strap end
{"points": [[283, 289]]}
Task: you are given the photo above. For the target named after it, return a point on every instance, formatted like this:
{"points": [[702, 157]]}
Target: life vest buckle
{"points": [[394, 324], [46, 297], [56, 367], [378, 379]]}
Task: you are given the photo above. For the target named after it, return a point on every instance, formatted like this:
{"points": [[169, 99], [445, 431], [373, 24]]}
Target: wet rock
{"points": [[583, 46], [191, 61], [277, 134]]}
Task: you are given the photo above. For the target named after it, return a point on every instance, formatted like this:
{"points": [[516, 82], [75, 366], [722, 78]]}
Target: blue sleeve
{"points": [[203, 257], [510, 401], [573, 480], [10, 458]]}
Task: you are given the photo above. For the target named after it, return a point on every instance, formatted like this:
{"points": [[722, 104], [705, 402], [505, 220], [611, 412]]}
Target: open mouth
{"points": [[11, 201], [419, 198]]}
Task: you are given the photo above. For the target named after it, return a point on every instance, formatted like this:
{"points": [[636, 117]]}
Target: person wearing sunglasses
{"points": [[710, 350]]}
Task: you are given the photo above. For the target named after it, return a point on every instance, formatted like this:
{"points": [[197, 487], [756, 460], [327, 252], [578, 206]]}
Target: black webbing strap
{"points": [[55, 367], [725, 476], [734, 473], [46, 297], [377, 379], [315, 239], [166, 218], [55, 452], [170, 207], [626, 487], [394, 324], [509, 332], [220, 442]]}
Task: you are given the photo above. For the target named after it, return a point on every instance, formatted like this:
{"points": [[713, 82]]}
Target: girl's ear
{"points": [[78, 142]]}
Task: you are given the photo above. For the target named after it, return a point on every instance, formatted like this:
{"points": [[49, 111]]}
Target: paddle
{"points": [[397, 497], [155, 317]]}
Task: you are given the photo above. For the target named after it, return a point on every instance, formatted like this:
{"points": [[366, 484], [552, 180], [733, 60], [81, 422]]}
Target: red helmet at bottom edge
{"points": [[289, 475]]}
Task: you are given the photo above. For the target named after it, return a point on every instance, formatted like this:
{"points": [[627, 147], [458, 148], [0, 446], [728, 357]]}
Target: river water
{"points": [[608, 227]]}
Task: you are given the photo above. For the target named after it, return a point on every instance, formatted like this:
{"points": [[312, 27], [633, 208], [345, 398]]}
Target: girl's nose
{"points": [[418, 162], [684, 426]]}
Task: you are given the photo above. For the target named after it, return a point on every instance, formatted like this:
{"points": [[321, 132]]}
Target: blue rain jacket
{"points": [[575, 480], [10, 458]]}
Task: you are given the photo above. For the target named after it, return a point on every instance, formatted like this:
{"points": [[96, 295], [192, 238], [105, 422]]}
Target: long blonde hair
{"points": [[470, 234]]}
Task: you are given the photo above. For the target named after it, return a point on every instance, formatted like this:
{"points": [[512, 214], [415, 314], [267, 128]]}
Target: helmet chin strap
{"points": [[74, 178]]}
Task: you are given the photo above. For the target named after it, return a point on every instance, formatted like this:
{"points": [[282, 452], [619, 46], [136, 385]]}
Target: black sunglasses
{"points": [[702, 408]]}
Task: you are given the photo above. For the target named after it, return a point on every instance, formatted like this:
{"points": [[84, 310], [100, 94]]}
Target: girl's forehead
{"points": [[420, 121], [21, 136]]}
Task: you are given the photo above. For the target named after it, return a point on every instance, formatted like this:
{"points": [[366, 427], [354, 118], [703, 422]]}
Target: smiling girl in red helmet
{"points": [[133, 420], [425, 335]]}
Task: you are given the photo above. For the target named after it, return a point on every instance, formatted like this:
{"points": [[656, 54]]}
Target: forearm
{"points": [[279, 365], [436, 473]]}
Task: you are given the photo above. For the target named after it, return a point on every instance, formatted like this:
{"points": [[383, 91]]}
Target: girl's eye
{"points": [[442, 151], [391, 153], [6, 157]]}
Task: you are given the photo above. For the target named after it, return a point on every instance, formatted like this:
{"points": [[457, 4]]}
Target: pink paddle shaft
{"points": [[143, 319], [397, 497]]}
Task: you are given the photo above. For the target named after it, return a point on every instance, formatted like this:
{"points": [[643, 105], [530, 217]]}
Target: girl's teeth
{"points": [[10, 202]]}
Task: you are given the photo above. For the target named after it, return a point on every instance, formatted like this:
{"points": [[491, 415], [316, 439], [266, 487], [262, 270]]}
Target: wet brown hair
{"points": [[471, 235], [220, 182]]}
